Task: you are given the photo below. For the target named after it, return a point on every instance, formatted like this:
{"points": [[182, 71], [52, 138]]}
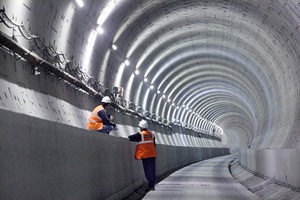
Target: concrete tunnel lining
{"points": [[234, 64]]}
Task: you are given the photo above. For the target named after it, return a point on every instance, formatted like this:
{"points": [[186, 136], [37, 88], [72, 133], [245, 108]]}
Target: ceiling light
{"points": [[136, 72], [79, 3], [151, 87], [169, 100], [145, 80], [123, 64], [158, 92], [126, 62], [163, 96], [114, 47], [100, 30]]}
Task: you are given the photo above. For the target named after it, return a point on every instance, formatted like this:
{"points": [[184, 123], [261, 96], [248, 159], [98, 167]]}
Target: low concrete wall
{"points": [[41, 159], [279, 164]]}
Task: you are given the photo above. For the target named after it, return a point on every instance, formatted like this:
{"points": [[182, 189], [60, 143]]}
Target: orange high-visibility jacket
{"points": [[145, 148], [95, 122]]}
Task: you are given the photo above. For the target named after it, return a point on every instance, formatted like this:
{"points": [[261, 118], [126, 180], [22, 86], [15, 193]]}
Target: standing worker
{"points": [[145, 150], [100, 120]]}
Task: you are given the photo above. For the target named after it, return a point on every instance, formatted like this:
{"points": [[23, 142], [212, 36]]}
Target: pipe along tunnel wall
{"points": [[41, 159], [46, 152]]}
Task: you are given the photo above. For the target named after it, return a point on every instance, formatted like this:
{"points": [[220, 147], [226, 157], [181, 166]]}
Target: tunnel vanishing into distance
{"points": [[208, 75]]}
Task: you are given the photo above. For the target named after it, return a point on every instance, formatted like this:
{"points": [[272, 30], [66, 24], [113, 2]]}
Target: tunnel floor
{"points": [[209, 179]]}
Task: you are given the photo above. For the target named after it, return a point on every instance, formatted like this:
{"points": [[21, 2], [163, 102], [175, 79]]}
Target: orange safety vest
{"points": [[95, 122], [145, 148]]}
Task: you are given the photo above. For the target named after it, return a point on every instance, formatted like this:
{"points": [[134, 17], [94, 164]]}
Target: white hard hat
{"points": [[106, 99], [143, 124]]}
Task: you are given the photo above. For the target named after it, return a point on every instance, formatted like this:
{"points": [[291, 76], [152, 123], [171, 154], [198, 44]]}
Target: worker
{"points": [[145, 150], [100, 120]]}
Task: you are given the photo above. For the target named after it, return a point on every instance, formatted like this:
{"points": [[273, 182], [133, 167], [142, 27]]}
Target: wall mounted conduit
{"points": [[36, 60]]}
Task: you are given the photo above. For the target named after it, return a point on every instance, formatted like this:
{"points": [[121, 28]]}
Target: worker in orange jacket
{"points": [[145, 150], [99, 119]]}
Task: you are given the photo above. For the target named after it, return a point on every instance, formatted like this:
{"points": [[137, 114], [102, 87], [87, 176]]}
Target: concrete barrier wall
{"points": [[281, 165], [42, 159]]}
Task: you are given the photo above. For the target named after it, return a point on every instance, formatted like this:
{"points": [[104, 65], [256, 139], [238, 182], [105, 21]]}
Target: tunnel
{"points": [[212, 79]]}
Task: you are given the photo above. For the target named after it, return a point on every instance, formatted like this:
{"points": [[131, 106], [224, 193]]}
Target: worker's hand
{"points": [[111, 118]]}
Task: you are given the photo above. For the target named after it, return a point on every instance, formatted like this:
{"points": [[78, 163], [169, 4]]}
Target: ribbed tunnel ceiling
{"points": [[234, 64]]}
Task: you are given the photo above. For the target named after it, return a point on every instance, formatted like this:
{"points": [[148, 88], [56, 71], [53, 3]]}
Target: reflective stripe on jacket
{"points": [[145, 148], [95, 122]]}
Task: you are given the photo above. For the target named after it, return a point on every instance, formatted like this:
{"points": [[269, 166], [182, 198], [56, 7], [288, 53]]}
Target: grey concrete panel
{"points": [[264, 188], [41, 159], [282, 165]]}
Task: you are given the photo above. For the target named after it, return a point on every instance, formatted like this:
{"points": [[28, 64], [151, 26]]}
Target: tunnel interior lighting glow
{"points": [[126, 62], [114, 47], [163, 96], [100, 30], [79, 3], [136, 72], [122, 65], [158, 92], [89, 50], [119, 74], [145, 79], [151, 87], [108, 9]]}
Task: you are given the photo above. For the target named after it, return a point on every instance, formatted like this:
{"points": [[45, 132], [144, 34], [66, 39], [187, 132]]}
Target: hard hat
{"points": [[143, 124], [106, 99]]}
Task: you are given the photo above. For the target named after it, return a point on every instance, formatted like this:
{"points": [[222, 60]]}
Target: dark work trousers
{"points": [[149, 169]]}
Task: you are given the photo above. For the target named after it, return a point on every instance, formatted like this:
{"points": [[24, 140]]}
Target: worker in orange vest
{"points": [[145, 150], [100, 120]]}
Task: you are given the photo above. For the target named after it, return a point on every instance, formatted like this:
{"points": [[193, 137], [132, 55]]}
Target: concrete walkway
{"points": [[209, 179]]}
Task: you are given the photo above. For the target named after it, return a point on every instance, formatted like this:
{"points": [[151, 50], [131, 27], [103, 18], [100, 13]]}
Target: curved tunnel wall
{"points": [[238, 61], [41, 159], [242, 53]]}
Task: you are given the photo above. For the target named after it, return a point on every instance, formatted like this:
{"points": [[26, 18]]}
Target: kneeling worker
{"points": [[100, 120], [145, 150]]}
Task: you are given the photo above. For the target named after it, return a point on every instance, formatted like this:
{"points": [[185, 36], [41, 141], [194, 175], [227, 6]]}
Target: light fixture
{"points": [[126, 62], [122, 65], [79, 3], [114, 47], [100, 30], [169, 100], [173, 104], [136, 72], [163, 96], [158, 92], [151, 87], [145, 79]]}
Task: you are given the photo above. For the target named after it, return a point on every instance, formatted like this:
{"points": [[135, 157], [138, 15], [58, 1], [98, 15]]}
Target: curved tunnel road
{"points": [[209, 179]]}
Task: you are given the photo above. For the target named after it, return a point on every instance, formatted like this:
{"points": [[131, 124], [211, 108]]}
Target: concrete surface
{"points": [[207, 180], [263, 187], [46, 160], [282, 165]]}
